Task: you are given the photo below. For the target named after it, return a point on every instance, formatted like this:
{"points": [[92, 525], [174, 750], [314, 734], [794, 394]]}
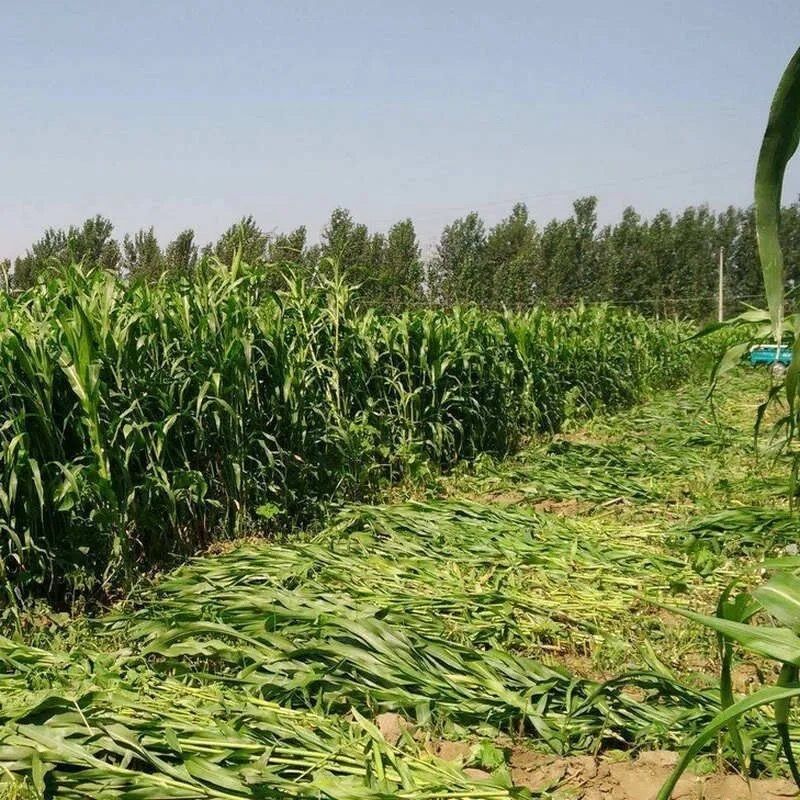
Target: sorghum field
{"points": [[144, 421], [443, 554]]}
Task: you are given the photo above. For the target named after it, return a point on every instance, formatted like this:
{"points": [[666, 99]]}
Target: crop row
{"points": [[142, 421]]}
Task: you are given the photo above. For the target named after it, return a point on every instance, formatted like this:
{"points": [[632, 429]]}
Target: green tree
{"points": [[401, 274], [180, 256], [48, 253], [790, 244], [348, 245], [91, 244], [627, 266], [726, 233], [6, 270], [693, 280], [741, 262], [511, 256], [289, 248], [745, 282], [457, 271], [569, 263], [289, 251], [584, 283], [373, 270], [555, 263], [659, 252], [245, 235], [141, 256]]}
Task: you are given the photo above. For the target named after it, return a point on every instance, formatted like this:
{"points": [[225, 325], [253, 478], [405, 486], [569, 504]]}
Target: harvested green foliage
{"points": [[417, 609], [740, 531], [100, 732], [262, 671]]}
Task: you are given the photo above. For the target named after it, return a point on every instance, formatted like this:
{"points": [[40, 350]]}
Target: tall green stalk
{"points": [[141, 422], [781, 138], [780, 596]]}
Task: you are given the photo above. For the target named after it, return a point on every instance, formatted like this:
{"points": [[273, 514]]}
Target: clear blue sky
{"points": [[191, 114]]}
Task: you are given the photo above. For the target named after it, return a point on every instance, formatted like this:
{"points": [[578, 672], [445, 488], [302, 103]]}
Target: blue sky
{"points": [[191, 114]]}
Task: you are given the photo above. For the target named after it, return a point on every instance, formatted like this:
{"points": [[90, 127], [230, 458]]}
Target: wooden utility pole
{"points": [[720, 290]]}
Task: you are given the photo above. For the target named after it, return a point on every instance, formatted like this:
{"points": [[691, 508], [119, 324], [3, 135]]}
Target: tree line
{"points": [[665, 265]]}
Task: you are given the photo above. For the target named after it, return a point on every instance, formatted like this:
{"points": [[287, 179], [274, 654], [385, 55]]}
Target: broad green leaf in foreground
{"points": [[780, 141]]}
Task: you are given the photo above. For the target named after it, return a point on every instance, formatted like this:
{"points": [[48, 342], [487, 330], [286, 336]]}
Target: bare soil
{"points": [[590, 778], [587, 778], [571, 507]]}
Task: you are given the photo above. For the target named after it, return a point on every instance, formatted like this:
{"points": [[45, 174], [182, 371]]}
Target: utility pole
{"points": [[720, 308]]}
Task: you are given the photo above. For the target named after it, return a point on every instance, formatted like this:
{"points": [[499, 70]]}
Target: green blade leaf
{"points": [[776, 643], [780, 141], [763, 697], [780, 597]]}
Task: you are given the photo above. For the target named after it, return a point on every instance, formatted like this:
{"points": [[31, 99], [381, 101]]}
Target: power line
{"points": [[664, 299], [433, 213]]}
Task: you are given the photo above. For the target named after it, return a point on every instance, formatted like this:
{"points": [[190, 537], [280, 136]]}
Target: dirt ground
{"points": [[601, 778], [589, 778], [584, 778]]}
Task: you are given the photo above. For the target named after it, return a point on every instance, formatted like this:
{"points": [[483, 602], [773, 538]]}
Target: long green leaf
{"points": [[780, 141], [776, 643], [763, 697], [780, 597]]}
